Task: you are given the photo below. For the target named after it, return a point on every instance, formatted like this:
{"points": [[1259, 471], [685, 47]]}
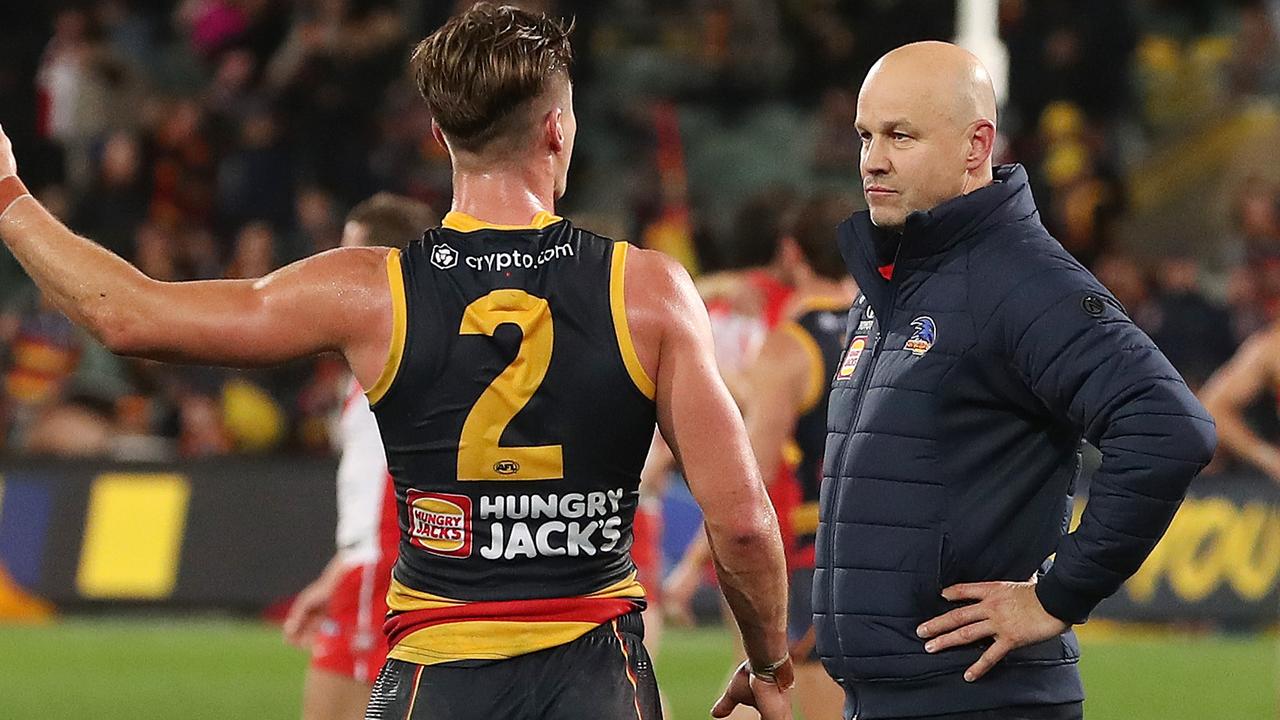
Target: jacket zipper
{"points": [[881, 333]]}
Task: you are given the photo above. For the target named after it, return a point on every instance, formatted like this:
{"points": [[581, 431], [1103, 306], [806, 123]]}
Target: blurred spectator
{"points": [[1123, 277], [1256, 222], [116, 202], [43, 352], [1193, 332], [1244, 298], [1074, 50], [837, 149], [183, 167], [255, 254], [255, 180], [212, 24], [316, 224], [83, 91], [1254, 66]]}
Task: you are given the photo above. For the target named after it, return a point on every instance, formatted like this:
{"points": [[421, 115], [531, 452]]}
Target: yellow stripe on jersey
{"points": [[627, 587], [399, 329], [402, 598], [804, 519], [618, 305], [485, 640], [817, 366], [462, 222]]}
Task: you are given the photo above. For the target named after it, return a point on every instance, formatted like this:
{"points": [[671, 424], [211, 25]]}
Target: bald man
{"points": [[980, 356]]}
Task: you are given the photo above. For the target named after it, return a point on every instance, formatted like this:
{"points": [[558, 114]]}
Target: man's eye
{"points": [[901, 136]]}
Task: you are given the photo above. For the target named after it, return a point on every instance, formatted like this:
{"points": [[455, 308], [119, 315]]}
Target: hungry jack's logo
{"points": [[850, 363], [440, 523]]}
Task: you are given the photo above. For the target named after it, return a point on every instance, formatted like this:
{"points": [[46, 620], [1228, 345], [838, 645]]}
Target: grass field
{"points": [[215, 669]]}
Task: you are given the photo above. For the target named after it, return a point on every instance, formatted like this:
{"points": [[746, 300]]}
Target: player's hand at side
{"points": [[678, 592], [1008, 612], [8, 164], [771, 701], [308, 611]]}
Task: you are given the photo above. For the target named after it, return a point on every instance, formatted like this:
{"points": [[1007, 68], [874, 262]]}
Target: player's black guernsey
{"points": [[516, 418], [820, 329]]}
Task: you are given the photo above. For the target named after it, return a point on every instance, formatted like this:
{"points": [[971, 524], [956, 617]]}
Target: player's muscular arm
{"points": [[772, 387], [1233, 387], [705, 432], [335, 301]]}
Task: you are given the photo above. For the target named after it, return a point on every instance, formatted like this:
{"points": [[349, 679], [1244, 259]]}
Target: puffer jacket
{"points": [[956, 420]]}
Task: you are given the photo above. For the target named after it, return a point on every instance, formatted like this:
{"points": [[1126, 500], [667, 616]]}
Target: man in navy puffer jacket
{"points": [[980, 355]]}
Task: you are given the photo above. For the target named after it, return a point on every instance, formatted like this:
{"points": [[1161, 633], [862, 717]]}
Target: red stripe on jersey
{"points": [[589, 610]]}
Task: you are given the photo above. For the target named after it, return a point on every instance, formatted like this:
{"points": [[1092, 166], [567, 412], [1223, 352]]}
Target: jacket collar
{"points": [[933, 232]]}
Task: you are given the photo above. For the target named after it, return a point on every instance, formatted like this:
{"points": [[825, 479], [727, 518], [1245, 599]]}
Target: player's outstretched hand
{"points": [[1009, 613], [771, 701], [8, 165]]}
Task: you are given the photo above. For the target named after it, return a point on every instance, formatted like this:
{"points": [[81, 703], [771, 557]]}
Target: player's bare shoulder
{"points": [[659, 289], [353, 287], [662, 302]]}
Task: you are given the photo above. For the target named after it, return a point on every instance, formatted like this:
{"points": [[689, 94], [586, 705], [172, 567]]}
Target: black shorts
{"points": [[800, 635], [605, 674]]}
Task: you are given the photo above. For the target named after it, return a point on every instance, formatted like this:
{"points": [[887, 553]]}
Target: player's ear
{"points": [[553, 128], [438, 134], [982, 143]]}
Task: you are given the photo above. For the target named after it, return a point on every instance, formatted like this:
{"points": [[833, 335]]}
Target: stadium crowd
{"points": [[224, 138]]}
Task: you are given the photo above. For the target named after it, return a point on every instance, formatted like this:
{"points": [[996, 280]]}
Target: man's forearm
{"points": [[753, 576], [83, 279], [1149, 460]]}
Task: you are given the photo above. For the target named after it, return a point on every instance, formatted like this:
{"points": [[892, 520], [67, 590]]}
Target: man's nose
{"points": [[875, 161]]}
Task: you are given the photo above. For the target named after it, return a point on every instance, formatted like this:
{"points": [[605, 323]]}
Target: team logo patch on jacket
{"points": [[923, 338]]}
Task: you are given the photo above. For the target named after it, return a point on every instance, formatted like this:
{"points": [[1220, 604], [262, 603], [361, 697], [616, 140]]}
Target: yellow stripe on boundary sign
{"points": [[133, 536]]}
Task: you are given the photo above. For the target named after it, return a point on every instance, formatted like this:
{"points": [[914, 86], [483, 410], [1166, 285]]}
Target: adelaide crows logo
{"points": [[924, 336]]}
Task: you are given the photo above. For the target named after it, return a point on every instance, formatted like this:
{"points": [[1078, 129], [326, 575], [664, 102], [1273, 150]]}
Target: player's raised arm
{"points": [[334, 301], [702, 425]]}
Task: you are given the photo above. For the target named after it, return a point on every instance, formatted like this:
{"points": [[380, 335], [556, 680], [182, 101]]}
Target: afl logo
{"points": [[506, 467], [925, 335]]}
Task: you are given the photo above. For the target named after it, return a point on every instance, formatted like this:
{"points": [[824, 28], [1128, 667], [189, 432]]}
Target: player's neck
{"points": [[503, 196]]}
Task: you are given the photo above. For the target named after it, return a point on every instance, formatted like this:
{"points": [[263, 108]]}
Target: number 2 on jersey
{"points": [[481, 456]]}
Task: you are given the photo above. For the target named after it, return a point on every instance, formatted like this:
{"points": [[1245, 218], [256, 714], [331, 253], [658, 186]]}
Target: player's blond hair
{"points": [[480, 72]]}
